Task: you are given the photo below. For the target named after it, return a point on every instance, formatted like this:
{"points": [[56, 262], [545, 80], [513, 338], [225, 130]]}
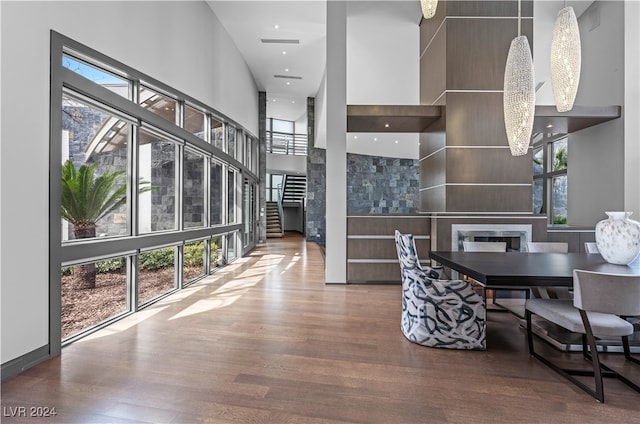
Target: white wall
{"points": [[179, 43], [602, 82], [632, 108], [383, 68], [286, 164], [596, 154]]}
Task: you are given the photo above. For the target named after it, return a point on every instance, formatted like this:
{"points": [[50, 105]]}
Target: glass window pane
{"points": [[193, 190], [157, 165], [216, 258], [283, 126], [559, 155], [538, 161], [194, 121], [559, 199], [231, 197], [232, 252], [538, 196], [94, 172], [216, 201], [156, 273], [193, 264], [231, 141], [92, 293], [93, 73], [161, 105], [217, 133]]}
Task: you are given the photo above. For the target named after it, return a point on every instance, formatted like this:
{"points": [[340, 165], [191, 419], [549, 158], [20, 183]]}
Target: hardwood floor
{"points": [[266, 341]]}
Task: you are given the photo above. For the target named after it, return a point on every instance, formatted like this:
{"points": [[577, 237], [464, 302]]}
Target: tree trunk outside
{"points": [[86, 274]]}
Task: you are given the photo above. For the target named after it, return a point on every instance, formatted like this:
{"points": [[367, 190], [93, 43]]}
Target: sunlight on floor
{"points": [[231, 291]]}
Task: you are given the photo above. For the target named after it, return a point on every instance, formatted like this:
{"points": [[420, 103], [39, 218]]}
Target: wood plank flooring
{"points": [[266, 341]]}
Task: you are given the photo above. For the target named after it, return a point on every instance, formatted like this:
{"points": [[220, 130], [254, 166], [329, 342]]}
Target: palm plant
{"points": [[87, 198]]}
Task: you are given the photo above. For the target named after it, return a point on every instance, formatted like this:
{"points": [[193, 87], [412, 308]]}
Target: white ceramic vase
{"points": [[618, 238]]}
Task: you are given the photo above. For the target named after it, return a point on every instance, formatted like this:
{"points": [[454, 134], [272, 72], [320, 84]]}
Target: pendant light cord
{"points": [[519, 6]]}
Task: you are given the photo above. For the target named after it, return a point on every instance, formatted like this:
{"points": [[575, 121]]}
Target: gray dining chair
{"points": [[513, 305], [591, 247], [549, 247], [484, 246], [599, 301]]}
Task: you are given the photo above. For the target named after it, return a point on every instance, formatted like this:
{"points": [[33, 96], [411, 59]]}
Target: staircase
{"points": [[274, 226], [295, 188]]}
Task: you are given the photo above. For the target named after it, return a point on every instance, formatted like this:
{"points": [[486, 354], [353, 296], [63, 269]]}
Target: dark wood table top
{"points": [[523, 269]]}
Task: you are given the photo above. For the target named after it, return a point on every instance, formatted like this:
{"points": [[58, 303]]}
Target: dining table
{"points": [[525, 269]]}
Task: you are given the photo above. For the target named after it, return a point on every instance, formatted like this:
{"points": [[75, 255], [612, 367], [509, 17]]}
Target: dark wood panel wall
{"points": [[371, 249], [465, 163]]}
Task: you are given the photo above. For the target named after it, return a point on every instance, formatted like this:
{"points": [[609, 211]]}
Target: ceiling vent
{"points": [[279, 41], [288, 77]]}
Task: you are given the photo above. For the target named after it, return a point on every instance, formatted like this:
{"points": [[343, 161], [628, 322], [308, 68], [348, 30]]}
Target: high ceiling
{"points": [[263, 31]]}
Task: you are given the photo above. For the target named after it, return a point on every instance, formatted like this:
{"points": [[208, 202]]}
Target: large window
{"points": [[143, 201], [550, 162]]}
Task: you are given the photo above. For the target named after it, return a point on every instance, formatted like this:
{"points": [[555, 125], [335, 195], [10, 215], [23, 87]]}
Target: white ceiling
{"points": [[248, 22]]}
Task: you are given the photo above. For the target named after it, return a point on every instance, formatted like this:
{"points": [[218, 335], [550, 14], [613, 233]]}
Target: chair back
{"points": [[591, 247], [484, 246], [607, 293], [550, 247], [407, 254]]}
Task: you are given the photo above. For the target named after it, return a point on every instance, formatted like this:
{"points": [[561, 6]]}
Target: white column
{"points": [[631, 108], [336, 172]]}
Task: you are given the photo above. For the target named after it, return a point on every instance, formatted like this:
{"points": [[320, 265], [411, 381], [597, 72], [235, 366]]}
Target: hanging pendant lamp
{"points": [[429, 8], [566, 59], [519, 99]]}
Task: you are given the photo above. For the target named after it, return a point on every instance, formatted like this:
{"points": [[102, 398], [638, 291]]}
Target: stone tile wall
{"points": [[382, 185]]}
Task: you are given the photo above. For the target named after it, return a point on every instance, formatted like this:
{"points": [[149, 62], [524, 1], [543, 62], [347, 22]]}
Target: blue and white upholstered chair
{"points": [[438, 313]]}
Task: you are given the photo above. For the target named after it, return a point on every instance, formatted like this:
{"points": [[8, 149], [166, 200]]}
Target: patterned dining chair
{"points": [[599, 301], [437, 313]]}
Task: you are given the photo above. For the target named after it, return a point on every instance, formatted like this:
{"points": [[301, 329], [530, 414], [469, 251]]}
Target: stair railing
{"points": [[280, 209]]}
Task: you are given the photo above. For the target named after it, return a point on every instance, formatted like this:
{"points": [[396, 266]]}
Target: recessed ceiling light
{"points": [[274, 100], [284, 52], [288, 83], [286, 69], [276, 26], [355, 137], [375, 138], [293, 101], [550, 126], [386, 125], [396, 141]]}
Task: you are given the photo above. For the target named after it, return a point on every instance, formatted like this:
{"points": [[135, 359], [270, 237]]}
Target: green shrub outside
{"points": [[110, 265], [194, 254], [152, 260], [156, 259], [559, 219]]}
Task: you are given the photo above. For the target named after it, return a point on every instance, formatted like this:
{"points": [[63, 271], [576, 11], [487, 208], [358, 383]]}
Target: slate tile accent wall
{"points": [[316, 227], [382, 185]]}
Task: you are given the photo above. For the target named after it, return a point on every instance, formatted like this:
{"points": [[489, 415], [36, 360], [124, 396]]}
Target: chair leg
{"points": [[595, 360], [627, 351], [527, 314]]}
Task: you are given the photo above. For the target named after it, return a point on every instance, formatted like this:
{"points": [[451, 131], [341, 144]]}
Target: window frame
{"points": [[64, 80], [545, 143]]}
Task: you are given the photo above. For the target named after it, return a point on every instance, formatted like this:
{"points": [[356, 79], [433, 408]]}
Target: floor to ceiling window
{"points": [[146, 193], [550, 162]]}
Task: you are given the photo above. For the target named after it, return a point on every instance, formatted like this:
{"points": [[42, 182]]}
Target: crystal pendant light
{"points": [[519, 99], [428, 8], [565, 59]]}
